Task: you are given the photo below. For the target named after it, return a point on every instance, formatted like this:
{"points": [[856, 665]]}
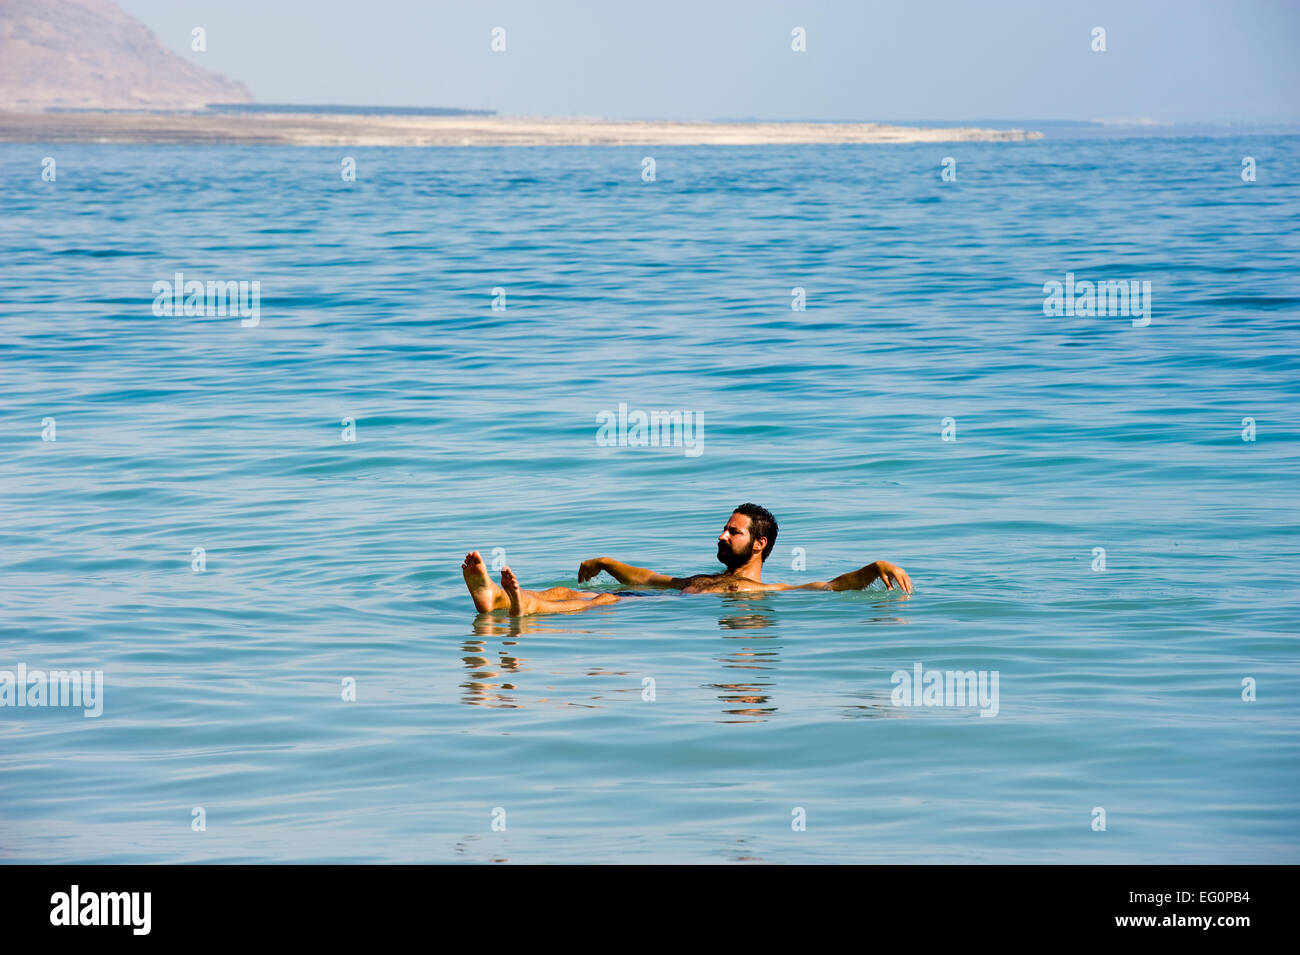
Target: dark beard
{"points": [[729, 558]]}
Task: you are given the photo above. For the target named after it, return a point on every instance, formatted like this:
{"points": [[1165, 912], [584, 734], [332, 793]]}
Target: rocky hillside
{"points": [[90, 54]]}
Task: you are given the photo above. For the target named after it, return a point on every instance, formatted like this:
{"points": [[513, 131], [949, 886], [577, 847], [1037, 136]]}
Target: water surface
{"points": [[329, 559]]}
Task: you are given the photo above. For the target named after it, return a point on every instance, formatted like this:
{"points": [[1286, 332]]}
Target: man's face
{"points": [[735, 544]]}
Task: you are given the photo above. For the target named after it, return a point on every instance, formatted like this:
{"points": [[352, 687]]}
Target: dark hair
{"points": [[762, 524]]}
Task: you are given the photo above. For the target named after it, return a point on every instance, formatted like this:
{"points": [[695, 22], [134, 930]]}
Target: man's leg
{"points": [[566, 593], [523, 602], [488, 596]]}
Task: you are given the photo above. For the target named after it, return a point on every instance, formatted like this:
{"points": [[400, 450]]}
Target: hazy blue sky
{"points": [[1167, 60]]}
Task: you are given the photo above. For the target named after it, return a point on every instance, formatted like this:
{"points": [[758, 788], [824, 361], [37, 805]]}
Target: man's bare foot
{"points": [[510, 584], [481, 588]]}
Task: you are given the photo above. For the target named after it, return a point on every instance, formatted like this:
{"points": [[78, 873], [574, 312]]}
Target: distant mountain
{"points": [[89, 54]]}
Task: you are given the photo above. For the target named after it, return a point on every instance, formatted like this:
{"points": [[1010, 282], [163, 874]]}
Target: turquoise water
{"points": [[328, 559]]}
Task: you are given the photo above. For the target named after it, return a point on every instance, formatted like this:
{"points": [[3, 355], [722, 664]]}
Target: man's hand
{"points": [[590, 568], [885, 571]]}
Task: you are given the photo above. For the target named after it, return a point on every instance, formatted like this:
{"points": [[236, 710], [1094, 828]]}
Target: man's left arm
{"points": [[859, 579]]}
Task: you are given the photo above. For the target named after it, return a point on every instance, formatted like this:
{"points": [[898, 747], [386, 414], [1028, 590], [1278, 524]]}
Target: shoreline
{"points": [[322, 129]]}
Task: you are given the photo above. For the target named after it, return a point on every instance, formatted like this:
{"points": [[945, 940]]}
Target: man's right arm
{"points": [[624, 573]]}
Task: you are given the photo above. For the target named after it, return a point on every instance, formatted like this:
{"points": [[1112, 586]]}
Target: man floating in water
{"points": [[743, 545]]}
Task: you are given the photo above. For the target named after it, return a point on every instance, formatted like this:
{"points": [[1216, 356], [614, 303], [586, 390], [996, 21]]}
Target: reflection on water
{"points": [[743, 852], [481, 688], [747, 611], [748, 701], [749, 696], [873, 705], [749, 621], [467, 848], [501, 625], [494, 675]]}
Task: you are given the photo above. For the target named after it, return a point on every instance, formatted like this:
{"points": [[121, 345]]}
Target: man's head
{"points": [[750, 530]]}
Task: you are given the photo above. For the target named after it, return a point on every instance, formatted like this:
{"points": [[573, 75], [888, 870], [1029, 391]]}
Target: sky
{"points": [[946, 60]]}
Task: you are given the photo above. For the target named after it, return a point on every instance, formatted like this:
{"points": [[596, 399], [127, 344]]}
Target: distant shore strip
{"points": [[348, 129]]}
